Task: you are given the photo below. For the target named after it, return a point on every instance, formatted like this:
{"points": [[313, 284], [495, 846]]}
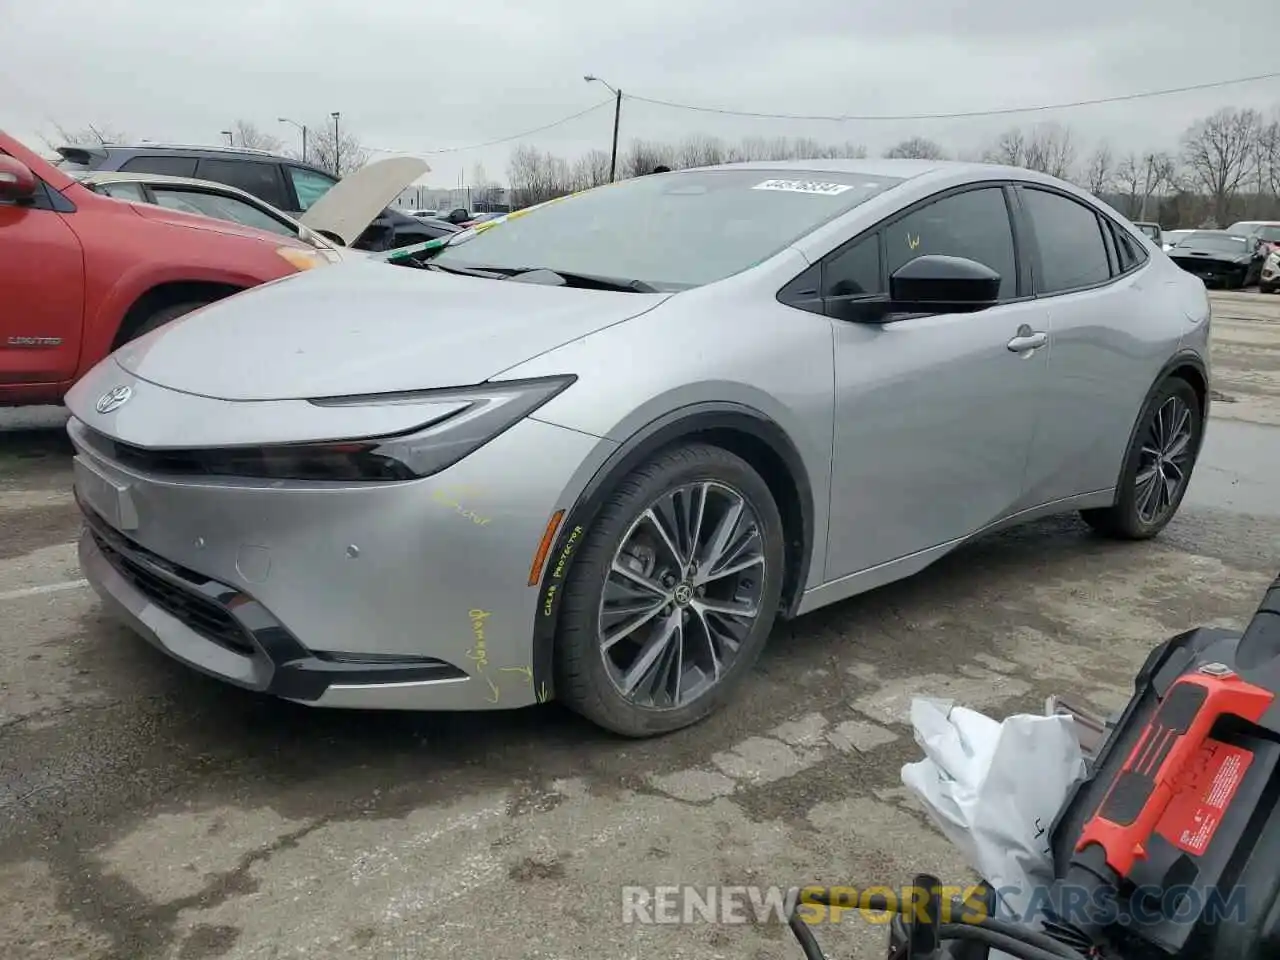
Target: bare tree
{"points": [[485, 192], [536, 176], [590, 170], [1220, 152], [245, 133], [917, 148], [699, 151], [1051, 149], [349, 156], [643, 155], [1010, 149], [1142, 176], [91, 134], [1100, 170], [1267, 159]]}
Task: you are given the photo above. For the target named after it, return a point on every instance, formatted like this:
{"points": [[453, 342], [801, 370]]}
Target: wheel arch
{"points": [[166, 295], [1185, 365], [741, 430]]}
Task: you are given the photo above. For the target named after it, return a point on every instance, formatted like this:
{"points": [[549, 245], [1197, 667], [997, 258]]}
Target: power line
{"points": [[1039, 108], [501, 140]]}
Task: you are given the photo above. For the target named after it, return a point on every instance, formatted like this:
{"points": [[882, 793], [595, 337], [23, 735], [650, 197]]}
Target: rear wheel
{"points": [[162, 316], [673, 595], [1157, 466]]}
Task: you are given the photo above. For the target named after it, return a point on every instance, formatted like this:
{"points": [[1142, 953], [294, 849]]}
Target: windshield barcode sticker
{"points": [[804, 186]]}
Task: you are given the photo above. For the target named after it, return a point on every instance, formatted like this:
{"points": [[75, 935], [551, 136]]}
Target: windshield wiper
{"points": [[588, 280], [465, 271]]}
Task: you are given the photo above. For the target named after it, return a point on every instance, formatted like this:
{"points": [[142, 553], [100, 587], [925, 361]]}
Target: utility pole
{"points": [[337, 147], [303, 128], [617, 118]]}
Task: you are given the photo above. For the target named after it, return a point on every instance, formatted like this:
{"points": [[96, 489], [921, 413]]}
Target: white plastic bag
{"points": [[994, 789]]}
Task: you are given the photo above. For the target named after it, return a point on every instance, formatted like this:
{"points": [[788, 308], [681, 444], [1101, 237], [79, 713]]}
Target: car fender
{"points": [[114, 303], [641, 443]]}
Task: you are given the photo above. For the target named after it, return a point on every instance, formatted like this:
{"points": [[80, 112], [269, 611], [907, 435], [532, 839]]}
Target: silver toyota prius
{"points": [[592, 451]]}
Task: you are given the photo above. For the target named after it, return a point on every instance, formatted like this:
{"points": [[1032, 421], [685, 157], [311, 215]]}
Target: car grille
{"points": [[205, 616]]}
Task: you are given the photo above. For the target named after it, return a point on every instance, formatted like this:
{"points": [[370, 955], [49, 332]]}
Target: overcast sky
{"points": [[418, 77]]}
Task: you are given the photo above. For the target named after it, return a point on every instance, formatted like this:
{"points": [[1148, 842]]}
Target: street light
{"points": [[617, 116], [337, 146], [231, 140], [303, 128]]}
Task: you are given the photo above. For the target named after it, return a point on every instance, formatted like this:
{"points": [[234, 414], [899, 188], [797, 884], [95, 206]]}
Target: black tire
{"points": [[1124, 520], [583, 680], [161, 317]]}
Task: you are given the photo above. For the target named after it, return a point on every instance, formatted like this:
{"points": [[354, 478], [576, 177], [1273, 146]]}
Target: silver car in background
{"points": [[592, 451]]}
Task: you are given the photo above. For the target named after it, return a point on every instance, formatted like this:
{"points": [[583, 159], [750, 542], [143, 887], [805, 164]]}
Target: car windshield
{"points": [[1218, 242], [668, 231]]}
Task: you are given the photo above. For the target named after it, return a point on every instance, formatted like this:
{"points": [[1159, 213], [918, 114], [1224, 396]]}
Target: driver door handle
{"points": [[1027, 339]]}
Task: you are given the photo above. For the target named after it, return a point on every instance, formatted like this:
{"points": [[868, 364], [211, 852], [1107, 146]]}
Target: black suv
{"points": [[286, 184]]}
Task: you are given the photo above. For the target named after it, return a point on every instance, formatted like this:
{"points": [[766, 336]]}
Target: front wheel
{"points": [[674, 594], [1157, 467]]}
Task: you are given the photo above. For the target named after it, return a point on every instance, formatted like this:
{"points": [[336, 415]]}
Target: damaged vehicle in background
{"points": [[319, 226], [1219, 258], [84, 273], [575, 454], [286, 184], [1269, 280]]}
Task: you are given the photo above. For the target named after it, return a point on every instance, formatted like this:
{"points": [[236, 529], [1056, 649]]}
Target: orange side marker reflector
{"points": [[544, 548]]}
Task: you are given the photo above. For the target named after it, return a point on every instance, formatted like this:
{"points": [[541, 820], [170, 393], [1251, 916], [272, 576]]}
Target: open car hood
{"points": [[355, 201]]}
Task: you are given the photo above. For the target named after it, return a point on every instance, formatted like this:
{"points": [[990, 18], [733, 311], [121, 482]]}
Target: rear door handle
{"points": [[1027, 340]]}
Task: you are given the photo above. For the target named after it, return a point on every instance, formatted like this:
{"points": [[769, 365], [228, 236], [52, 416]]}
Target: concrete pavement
{"points": [[147, 812]]}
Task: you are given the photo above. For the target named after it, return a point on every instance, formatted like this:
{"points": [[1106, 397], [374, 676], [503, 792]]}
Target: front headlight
{"points": [[303, 259], [464, 420]]}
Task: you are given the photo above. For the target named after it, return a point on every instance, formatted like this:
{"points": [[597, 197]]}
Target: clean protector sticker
{"points": [[804, 186]]}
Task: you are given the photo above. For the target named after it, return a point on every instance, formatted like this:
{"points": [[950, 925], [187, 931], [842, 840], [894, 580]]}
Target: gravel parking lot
{"points": [[147, 812]]}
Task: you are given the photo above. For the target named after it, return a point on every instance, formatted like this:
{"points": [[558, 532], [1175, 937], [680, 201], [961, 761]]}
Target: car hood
{"points": [[348, 207], [367, 327], [1192, 251]]}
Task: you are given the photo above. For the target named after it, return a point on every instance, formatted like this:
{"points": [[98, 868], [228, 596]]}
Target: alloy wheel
{"points": [[681, 595], [1164, 461]]}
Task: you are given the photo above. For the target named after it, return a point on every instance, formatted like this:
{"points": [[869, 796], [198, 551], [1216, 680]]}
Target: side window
{"points": [[123, 191], [220, 208], [854, 271], [1072, 252], [163, 164], [252, 176], [309, 186], [973, 224], [1131, 254]]}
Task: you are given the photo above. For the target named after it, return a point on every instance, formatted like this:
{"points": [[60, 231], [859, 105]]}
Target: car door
{"points": [[934, 413], [42, 276], [1111, 334]]}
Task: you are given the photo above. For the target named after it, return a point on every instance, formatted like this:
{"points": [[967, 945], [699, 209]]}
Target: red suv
{"points": [[84, 273]]}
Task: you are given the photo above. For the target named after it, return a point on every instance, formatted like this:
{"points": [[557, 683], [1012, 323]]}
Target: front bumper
{"points": [[408, 595]]}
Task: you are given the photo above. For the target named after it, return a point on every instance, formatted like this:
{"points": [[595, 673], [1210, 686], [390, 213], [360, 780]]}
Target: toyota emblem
{"points": [[114, 399]]}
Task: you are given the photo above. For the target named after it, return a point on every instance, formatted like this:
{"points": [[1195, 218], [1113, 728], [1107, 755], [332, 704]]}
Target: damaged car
{"points": [[575, 455]]}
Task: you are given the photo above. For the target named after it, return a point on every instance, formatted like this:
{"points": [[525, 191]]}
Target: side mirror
{"points": [[939, 284], [17, 182]]}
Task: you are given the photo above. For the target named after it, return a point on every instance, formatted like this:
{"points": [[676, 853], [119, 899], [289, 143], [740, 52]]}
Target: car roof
{"points": [[205, 151]]}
